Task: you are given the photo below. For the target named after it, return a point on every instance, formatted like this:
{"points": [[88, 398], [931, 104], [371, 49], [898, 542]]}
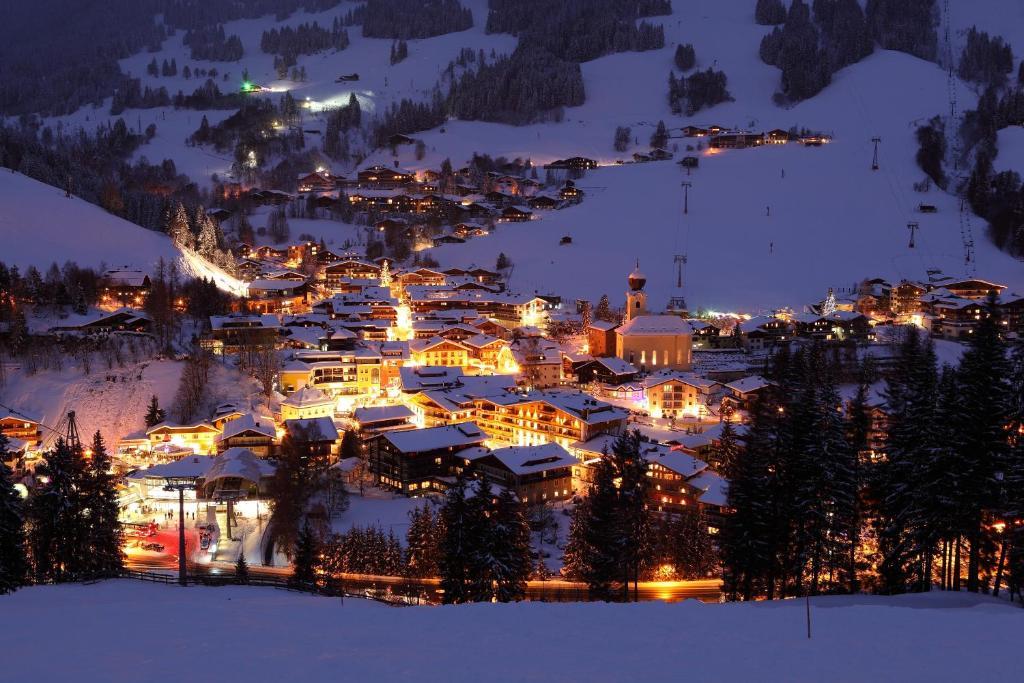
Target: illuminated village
{"points": [[531, 340]]}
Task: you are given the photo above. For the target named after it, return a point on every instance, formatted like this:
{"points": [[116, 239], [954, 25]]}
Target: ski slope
{"points": [[121, 630], [40, 226], [833, 221]]}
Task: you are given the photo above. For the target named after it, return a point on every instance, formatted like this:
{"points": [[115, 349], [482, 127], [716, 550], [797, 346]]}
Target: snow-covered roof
{"points": [[381, 413], [655, 325], [447, 436], [714, 485], [245, 423], [316, 428], [748, 384], [307, 397], [238, 320], [523, 460], [617, 366], [241, 463]]}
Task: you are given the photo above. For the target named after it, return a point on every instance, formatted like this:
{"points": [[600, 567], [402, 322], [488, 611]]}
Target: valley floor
{"points": [[126, 631]]}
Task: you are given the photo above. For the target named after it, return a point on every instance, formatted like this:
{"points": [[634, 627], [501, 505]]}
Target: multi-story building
{"points": [[423, 460]]}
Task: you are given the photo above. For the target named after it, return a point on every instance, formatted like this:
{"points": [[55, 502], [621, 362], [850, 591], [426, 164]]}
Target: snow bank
{"points": [[126, 631]]}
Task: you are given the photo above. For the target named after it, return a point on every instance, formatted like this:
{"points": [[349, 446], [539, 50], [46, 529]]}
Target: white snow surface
{"points": [[40, 226], [143, 633]]}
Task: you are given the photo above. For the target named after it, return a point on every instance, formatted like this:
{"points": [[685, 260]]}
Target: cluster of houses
{"points": [[461, 197], [719, 137]]}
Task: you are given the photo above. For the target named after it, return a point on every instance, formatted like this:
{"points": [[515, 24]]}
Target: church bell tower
{"points": [[636, 297]]}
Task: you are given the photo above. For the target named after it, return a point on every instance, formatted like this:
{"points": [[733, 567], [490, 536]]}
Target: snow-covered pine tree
{"points": [[510, 551], [103, 531], [13, 549], [456, 546]]}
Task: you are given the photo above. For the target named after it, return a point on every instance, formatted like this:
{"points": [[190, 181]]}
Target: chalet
{"points": [[543, 202], [24, 429], [373, 421], [674, 394], [744, 392], [705, 334], [448, 239], [669, 471], [612, 371], [439, 351], [381, 200], [689, 162], [485, 350], [694, 132], [815, 140], [121, 320], [536, 474], [466, 230], [500, 199], [421, 460], [570, 193], [317, 181], [777, 136], [318, 437], [350, 269], [248, 431], [736, 140], [549, 416], [276, 296], [973, 288], [573, 163], [906, 298], [307, 403], [200, 436], [248, 269], [383, 177], [761, 333], [399, 139], [124, 287], [660, 154], [269, 197], [231, 333], [716, 130], [1011, 309], [236, 473], [512, 214]]}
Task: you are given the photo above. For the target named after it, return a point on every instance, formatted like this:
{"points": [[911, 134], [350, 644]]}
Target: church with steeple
{"points": [[652, 342]]}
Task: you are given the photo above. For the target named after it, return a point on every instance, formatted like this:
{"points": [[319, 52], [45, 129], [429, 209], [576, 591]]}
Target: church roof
{"points": [[655, 325]]}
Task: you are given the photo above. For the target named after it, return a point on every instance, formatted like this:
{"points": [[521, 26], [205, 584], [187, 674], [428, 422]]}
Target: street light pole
{"points": [[181, 484]]}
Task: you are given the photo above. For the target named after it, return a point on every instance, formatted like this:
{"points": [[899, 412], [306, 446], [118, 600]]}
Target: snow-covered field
{"points": [[126, 631]]}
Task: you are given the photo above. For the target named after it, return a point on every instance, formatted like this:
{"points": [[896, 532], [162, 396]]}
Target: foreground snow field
{"points": [[126, 631]]}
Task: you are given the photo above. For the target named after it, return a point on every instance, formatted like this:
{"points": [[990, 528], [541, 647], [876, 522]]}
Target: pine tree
{"points": [[154, 414], [723, 454], [385, 275], [510, 553], [591, 552], [57, 536], [454, 559], [986, 405], [769, 12], [13, 559], [479, 530], [241, 569], [304, 565], [659, 139], [103, 529]]}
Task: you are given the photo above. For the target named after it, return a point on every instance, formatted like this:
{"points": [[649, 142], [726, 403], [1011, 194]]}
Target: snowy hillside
{"points": [[127, 631], [40, 226], [833, 221]]}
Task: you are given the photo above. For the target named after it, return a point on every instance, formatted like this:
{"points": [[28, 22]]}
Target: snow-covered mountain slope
{"points": [[833, 221], [40, 226]]}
